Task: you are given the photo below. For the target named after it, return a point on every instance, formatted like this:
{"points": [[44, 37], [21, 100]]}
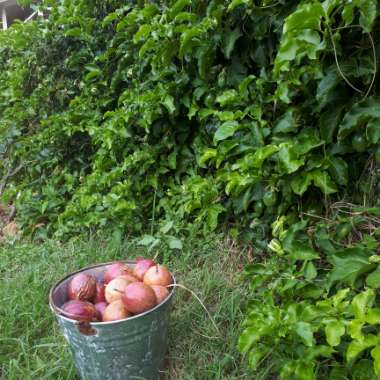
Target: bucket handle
{"points": [[85, 328]]}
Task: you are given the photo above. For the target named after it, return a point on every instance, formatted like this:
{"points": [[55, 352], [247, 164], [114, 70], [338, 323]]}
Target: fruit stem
{"points": [[199, 300]]}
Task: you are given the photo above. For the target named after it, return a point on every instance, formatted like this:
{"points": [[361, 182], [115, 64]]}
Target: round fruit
{"points": [[100, 293], [79, 310], [158, 275], [359, 143], [142, 265], [209, 100], [258, 207], [270, 198], [129, 277], [100, 307], [115, 311], [139, 297], [82, 287], [161, 292], [221, 79], [115, 270], [115, 289]]}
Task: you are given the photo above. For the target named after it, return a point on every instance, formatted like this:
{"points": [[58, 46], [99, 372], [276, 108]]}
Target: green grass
{"points": [[31, 346]]}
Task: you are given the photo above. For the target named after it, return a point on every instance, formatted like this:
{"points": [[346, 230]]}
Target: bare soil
{"points": [[7, 226]]}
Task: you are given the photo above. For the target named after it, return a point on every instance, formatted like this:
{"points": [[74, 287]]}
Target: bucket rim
{"points": [[59, 312]]}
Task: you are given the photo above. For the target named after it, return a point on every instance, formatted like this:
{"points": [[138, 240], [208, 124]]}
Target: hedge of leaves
{"points": [[200, 113]]}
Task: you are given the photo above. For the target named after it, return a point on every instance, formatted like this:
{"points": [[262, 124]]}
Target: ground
{"points": [[8, 228], [30, 342]]}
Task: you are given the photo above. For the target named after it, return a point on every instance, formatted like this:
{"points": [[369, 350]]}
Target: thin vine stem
{"points": [[338, 65], [373, 54], [374, 64]]}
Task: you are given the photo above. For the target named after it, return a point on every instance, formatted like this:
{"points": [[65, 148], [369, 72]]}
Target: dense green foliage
{"points": [[206, 106], [244, 112], [316, 299]]}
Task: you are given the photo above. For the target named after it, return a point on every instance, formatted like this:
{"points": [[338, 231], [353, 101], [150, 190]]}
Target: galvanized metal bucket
{"points": [[132, 348]]}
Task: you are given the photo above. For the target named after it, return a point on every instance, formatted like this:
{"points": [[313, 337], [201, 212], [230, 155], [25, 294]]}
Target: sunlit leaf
{"points": [[334, 331]]}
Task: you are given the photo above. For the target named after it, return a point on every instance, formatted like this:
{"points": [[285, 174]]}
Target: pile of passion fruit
{"points": [[124, 291]]}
